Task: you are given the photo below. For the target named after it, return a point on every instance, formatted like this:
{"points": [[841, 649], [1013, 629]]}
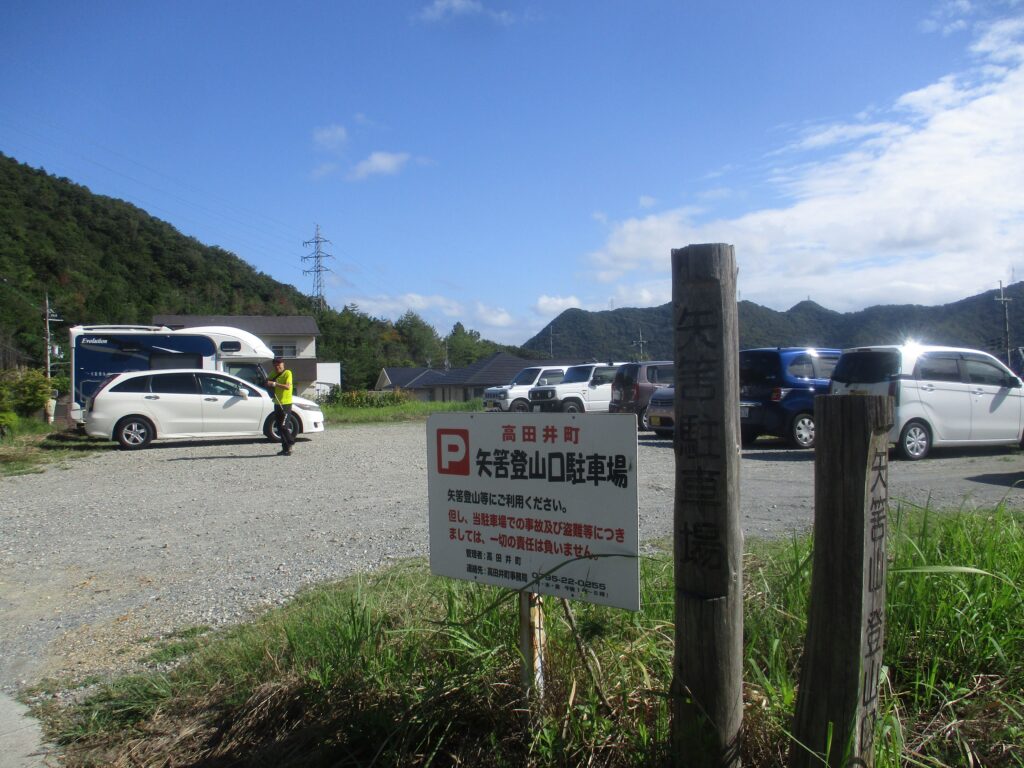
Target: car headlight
{"points": [[305, 407]]}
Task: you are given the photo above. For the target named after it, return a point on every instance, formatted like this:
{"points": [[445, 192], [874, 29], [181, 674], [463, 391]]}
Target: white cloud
{"points": [[548, 306], [440, 10], [495, 317], [324, 169], [380, 164], [330, 138], [393, 307], [924, 206], [646, 201]]}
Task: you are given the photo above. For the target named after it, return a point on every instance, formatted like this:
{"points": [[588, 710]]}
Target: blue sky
{"points": [[497, 162]]}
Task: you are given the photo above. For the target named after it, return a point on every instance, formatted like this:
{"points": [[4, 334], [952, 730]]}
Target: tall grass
{"points": [[31, 445], [358, 411], [399, 668]]}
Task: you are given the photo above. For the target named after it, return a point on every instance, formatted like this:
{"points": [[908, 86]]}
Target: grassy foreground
{"points": [[409, 410], [402, 669], [34, 445]]}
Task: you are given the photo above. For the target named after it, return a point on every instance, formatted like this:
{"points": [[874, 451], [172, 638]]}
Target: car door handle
{"points": [[210, 399], [977, 391], [928, 387], [152, 397]]}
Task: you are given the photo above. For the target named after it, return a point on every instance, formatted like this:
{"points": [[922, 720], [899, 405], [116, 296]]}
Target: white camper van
{"points": [[97, 351]]}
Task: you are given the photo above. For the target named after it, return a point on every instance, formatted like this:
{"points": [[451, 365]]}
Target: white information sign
{"points": [[535, 501]]}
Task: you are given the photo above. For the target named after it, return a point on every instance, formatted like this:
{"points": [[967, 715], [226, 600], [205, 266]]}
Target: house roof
{"points": [[403, 377], [491, 371], [261, 325]]}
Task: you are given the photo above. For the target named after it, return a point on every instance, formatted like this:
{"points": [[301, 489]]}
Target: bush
{"points": [[8, 423], [24, 391], [364, 398]]}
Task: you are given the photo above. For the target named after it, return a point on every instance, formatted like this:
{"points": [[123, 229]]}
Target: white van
{"points": [[943, 396]]}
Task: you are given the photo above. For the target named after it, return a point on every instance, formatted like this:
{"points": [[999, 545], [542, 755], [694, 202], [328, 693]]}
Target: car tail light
{"points": [[778, 393], [894, 391]]}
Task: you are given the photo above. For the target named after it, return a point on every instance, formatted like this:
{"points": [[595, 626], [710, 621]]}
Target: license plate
{"points": [[536, 409], [744, 412]]}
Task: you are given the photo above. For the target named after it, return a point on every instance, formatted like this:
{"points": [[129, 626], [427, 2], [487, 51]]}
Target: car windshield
{"points": [[867, 367], [579, 374], [525, 377]]}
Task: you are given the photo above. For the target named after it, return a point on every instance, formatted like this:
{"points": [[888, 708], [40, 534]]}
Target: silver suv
{"points": [[943, 396], [585, 389], [515, 396]]}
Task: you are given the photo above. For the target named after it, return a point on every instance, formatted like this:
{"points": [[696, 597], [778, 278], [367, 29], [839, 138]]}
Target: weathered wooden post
{"points": [[707, 685], [837, 703], [531, 644]]}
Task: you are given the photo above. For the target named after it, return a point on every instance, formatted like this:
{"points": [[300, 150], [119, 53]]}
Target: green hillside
{"points": [[973, 322], [102, 260]]}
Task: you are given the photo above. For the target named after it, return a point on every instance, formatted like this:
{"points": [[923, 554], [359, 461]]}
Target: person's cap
{"points": [[278, 360]]}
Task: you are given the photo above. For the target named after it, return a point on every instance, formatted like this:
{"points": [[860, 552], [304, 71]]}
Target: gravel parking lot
{"points": [[120, 546]]}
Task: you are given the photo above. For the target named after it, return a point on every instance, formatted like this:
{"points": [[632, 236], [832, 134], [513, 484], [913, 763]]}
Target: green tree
{"points": [[420, 339]]}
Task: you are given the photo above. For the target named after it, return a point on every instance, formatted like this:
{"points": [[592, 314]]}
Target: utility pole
{"points": [[52, 316], [46, 314], [318, 269], [551, 341], [640, 343], [1006, 323]]}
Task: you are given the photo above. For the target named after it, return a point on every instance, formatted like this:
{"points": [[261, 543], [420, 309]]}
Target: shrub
{"points": [[364, 398], [8, 423], [23, 391]]}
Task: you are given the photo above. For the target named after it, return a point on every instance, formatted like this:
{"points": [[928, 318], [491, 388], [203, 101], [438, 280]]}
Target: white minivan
{"points": [[943, 396]]}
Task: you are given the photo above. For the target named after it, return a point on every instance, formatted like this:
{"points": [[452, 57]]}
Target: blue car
{"points": [[777, 390]]}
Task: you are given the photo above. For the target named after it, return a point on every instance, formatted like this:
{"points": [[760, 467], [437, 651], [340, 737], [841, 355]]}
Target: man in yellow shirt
{"points": [[281, 381]]}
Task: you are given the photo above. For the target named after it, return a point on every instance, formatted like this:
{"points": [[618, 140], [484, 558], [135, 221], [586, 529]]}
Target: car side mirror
{"points": [[542, 383], [242, 393]]}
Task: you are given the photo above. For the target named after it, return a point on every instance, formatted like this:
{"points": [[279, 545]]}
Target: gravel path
{"points": [[120, 546]]}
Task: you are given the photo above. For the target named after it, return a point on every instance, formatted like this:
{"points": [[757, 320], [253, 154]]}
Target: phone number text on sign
{"points": [[545, 502]]}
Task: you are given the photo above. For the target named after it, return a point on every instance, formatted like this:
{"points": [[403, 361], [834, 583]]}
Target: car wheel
{"points": [[270, 427], [915, 441], [572, 406], [134, 432], [748, 436], [801, 431], [519, 406], [643, 422]]}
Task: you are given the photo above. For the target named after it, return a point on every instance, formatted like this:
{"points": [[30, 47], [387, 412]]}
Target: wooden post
{"points": [[707, 684], [531, 644], [837, 704]]}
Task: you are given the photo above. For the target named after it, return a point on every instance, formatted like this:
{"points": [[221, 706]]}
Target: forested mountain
{"points": [[102, 260], [976, 322]]}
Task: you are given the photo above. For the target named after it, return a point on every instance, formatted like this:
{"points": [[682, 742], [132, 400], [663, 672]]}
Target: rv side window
{"points": [[231, 346]]}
